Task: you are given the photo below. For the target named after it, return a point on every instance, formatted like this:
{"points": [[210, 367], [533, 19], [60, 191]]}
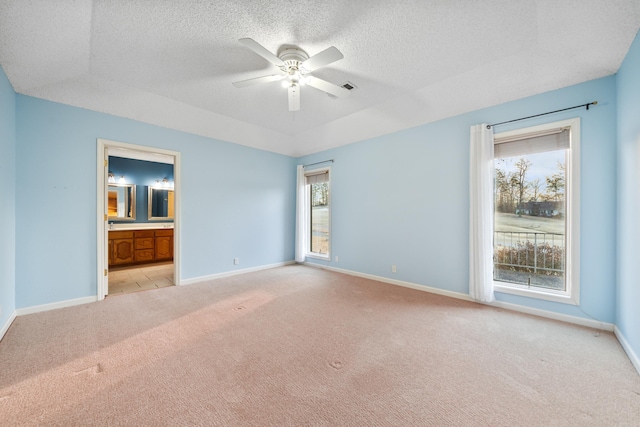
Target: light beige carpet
{"points": [[301, 346]]}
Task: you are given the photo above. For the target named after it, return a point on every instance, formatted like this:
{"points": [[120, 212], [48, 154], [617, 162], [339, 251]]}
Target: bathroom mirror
{"points": [[160, 203], [121, 202]]}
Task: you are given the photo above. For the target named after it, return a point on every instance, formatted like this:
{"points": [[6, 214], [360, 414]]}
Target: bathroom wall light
{"points": [[111, 179], [166, 183], [122, 180]]}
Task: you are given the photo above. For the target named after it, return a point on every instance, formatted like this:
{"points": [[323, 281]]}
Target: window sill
{"points": [[323, 257], [543, 294]]}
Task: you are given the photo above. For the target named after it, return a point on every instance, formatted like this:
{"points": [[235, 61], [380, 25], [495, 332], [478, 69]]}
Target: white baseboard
{"points": [[635, 360], [499, 304], [55, 305], [233, 273], [404, 284], [6, 325], [596, 324]]}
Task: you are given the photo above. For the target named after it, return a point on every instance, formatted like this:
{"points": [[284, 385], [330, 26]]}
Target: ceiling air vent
{"points": [[347, 85]]}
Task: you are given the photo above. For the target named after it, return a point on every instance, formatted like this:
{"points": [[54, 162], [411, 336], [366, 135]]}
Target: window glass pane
{"points": [[319, 217], [530, 220]]}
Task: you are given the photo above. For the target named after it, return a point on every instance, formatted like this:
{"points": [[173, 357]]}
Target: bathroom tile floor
{"points": [[123, 280]]}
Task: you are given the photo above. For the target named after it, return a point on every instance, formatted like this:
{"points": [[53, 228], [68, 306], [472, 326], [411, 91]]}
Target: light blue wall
{"points": [[236, 201], [7, 198], [403, 198], [628, 292]]}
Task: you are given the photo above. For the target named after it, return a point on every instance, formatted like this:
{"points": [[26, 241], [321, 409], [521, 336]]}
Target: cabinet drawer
{"points": [[167, 233], [144, 243], [120, 235], [144, 233], [144, 255]]}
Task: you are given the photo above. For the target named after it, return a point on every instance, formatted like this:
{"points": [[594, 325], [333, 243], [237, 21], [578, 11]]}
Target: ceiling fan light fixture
{"points": [[294, 75]]}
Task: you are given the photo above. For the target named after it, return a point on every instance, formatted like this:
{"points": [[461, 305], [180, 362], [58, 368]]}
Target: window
{"points": [[318, 202], [535, 241]]}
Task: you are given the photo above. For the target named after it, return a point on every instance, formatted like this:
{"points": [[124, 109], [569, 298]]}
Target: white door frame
{"points": [[102, 223]]}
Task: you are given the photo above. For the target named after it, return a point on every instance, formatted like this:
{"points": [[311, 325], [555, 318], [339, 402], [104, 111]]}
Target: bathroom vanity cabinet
{"points": [[129, 247]]}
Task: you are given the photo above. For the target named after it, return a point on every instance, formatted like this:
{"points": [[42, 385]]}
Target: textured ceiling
{"points": [[171, 63]]}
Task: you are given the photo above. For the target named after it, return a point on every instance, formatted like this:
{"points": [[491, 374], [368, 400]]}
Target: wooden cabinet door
{"points": [[164, 247], [122, 251]]}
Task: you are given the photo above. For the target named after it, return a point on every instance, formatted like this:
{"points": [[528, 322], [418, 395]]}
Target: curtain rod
{"points": [[317, 163], [544, 114]]}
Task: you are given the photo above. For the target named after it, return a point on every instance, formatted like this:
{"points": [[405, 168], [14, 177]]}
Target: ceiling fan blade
{"points": [[294, 98], [262, 51], [258, 80], [327, 87], [322, 59]]}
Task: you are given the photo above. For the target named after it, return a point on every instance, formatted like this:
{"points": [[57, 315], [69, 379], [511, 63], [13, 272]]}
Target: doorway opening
{"points": [[138, 218]]}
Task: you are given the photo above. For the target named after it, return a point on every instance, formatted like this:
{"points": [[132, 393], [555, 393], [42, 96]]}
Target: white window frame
{"points": [[307, 203], [572, 196]]}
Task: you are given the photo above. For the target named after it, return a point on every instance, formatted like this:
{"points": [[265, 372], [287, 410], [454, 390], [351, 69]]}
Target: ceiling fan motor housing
{"points": [[293, 57], [293, 54]]}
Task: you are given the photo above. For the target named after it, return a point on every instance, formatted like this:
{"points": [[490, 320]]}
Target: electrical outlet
{"points": [[336, 258], [236, 261], [393, 268]]}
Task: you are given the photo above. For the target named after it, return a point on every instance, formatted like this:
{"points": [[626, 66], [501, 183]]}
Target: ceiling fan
{"points": [[295, 68]]}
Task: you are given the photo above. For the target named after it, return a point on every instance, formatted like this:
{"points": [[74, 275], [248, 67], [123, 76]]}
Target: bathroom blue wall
{"points": [[7, 198], [236, 201], [628, 292], [403, 198], [143, 174]]}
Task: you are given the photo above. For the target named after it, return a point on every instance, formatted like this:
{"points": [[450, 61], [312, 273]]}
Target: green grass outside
{"points": [[528, 224]]}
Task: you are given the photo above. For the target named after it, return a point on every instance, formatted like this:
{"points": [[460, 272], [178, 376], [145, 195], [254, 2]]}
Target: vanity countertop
{"points": [[141, 226]]}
